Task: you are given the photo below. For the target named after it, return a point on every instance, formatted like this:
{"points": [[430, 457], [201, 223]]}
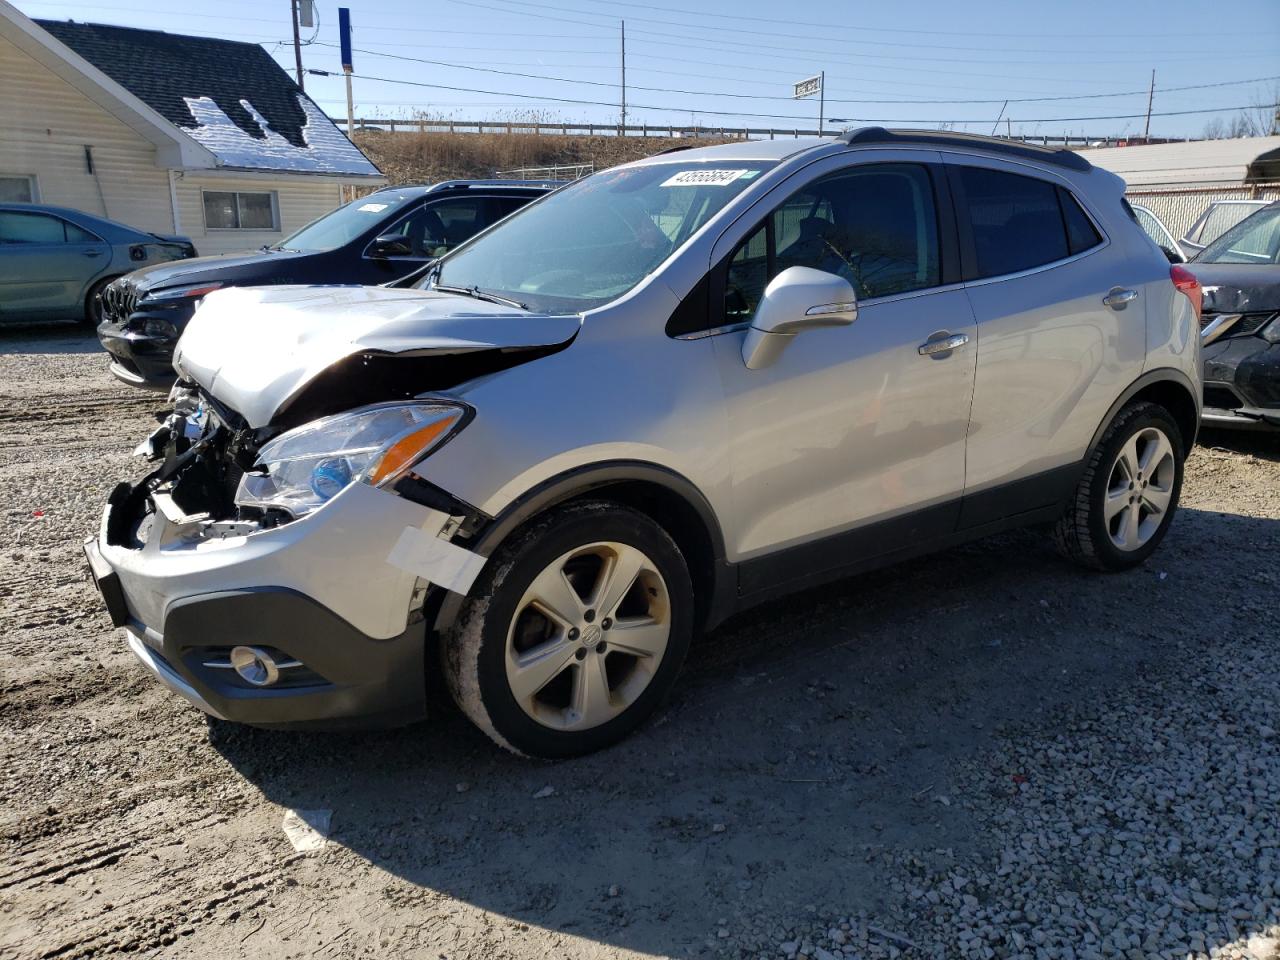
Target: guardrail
{"points": [[570, 171], [389, 125]]}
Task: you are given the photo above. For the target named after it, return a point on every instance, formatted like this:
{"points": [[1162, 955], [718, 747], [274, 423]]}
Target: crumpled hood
{"points": [[253, 348], [1238, 287]]}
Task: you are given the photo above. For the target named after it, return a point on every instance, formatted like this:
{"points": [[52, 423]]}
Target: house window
{"points": [[18, 189], [234, 210]]}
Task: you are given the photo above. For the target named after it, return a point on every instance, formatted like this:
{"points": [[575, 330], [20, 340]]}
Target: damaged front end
{"points": [[274, 566], [220, 477]]}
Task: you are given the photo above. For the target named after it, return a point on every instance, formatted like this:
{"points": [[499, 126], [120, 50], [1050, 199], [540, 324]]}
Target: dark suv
{"points": [[373, 240]]}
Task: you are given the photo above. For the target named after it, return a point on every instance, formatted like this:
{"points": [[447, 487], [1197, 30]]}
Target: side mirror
{"points": [[391, 245], [797, 299]]}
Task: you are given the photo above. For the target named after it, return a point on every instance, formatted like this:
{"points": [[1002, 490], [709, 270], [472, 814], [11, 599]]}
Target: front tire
{"points": [[1128, 494], [574, 634], [94, 313]]}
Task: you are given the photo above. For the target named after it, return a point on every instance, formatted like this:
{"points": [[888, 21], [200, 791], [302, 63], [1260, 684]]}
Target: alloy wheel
{"points": [[1139, 489], [588, 636]]}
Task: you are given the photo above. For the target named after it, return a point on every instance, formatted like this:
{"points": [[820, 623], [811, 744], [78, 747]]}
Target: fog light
{"points": [[255, 666], [155, 327]]}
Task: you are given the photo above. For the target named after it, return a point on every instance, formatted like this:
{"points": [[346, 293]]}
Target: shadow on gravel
{"points": [[814, 746], [54, 337], [1265, 445]]}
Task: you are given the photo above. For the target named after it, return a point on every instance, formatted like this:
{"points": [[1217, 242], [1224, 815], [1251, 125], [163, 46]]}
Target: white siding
{"points": [[300, 200], [1200, 161], [45, 125]]}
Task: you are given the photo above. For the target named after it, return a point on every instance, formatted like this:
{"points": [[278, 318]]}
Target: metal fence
{"points": [[571, 171], [426, 125], [1179, 205]]}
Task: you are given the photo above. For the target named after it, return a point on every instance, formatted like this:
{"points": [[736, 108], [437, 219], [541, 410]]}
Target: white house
{"points": [[168, 133]]}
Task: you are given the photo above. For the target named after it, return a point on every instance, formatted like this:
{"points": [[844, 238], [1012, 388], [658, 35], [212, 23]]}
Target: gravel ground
{"points": [[985, 753]]}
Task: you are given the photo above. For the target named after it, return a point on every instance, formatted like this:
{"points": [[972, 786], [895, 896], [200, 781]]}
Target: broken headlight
{"points": [[302, 469]]}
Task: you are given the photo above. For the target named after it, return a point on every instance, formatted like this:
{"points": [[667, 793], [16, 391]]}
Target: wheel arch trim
{"points": [[580, 481], [1152, 378]]}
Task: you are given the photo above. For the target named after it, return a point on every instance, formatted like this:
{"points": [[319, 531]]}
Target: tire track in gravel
{"points": [[156, 919]]}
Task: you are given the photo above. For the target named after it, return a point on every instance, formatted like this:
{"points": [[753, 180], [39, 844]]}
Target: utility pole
{"points": [[1151, 95], [297, 41], [822, 98], [622, 125]]}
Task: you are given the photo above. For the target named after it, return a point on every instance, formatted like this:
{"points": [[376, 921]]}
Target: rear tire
{"points": [[1128, 494], [575, 632]]}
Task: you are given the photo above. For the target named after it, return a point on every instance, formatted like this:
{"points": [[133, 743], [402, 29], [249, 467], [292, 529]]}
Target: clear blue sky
{"points": [[737, 58]]}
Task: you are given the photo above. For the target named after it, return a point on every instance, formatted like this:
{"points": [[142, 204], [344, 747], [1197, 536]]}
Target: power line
{"points": [[808, 56], [861, 27], [776, 116], [755, 96], [809, 39]]}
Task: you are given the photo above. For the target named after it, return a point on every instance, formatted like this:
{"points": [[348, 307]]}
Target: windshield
{"points": [[1255, 239], [591, 242], [343, 225]]}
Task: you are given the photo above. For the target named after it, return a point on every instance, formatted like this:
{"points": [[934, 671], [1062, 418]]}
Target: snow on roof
{"points": [[325, 149], [1198, 161]]}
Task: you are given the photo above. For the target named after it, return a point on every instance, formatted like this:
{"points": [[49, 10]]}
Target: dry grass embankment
{"points": [[417, 157]]}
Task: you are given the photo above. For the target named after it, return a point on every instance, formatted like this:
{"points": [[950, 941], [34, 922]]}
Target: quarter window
{"points": [[1020, 222], [234, 210], [874, 225]]}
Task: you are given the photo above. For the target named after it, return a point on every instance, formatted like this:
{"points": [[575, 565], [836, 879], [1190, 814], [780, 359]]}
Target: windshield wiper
{"points": [[477, 294]]}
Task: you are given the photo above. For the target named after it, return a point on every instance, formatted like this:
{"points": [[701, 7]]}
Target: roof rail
{"points": [[459, 184], [945, 138]]}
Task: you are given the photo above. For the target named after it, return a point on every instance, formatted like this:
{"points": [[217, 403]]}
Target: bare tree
{"points": [[1260, 120]]}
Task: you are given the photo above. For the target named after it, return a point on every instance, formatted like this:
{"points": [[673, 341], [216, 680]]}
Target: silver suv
{"points": [[648, 400]]}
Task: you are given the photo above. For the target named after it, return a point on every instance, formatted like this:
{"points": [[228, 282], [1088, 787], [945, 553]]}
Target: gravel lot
{"points": [[986, 753]]}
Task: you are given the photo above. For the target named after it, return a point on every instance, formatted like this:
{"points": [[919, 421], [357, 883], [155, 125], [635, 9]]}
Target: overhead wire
{"points": [[754, 96], [775, 116]]}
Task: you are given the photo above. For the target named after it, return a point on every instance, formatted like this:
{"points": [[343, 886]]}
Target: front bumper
{"points": [[318, 593], [1242, 383], [137, 358]]}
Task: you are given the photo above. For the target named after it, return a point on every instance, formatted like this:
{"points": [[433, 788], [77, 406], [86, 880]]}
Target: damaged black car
{"points": [[1240, 326]]}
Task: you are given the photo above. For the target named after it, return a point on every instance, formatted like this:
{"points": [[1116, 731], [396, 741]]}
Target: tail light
{"points": [[1186, 283]]}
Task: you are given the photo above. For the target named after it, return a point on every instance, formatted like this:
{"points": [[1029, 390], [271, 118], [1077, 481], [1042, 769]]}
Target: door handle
{"points": [[92, 253], [1119, 298], [944, 345]]}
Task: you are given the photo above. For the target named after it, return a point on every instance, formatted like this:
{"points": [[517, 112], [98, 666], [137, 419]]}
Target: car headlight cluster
{"points": [[304, 468]]}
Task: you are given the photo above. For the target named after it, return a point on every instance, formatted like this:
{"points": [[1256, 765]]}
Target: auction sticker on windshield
{"points": [[703, 178]]}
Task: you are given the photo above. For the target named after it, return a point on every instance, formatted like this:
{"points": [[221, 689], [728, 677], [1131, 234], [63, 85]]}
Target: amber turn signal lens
{"points": [[402, 454]]}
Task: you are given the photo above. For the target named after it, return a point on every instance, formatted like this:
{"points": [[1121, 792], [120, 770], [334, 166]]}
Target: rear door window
{"points": [[1020, 223], [31, 228]]}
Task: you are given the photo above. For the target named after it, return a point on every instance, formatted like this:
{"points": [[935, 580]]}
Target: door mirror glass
{"points": [[797, 299], [391, 245]]}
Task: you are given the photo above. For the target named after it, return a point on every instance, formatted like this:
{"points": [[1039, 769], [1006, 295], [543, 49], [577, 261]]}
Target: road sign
{"points": [[807, 88], [344, 37]]}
